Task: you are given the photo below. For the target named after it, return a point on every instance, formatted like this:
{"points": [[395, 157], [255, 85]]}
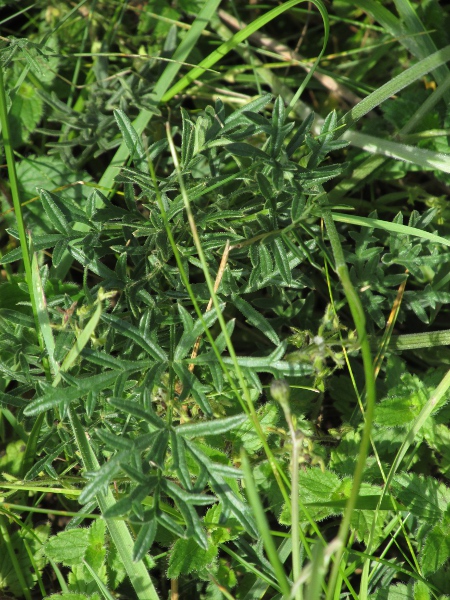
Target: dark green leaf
{"points": [[144, 539], [213, 427], [247, 151], [99, 480], [282, 260], [134, 334], [54, 213], [54, 396], [132, 140], [133, 408], [256, 319]]}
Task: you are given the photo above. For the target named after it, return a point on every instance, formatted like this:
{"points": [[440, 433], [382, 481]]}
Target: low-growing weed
{"points": [[223, 363]]}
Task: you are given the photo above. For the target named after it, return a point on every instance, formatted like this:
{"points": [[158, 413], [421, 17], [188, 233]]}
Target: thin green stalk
{"points": [[6, 539], [120, 534], [360, 323], [279, 390], [295, 524], [14, 184], [4, 123], [263, 527]]}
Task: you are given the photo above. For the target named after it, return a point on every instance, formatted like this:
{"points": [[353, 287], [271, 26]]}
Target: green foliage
{"points": [[26, 547], [125, 388], [75, 548]]}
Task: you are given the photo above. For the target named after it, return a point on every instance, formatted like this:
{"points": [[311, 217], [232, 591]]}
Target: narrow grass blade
{"points": [[393, 227], [393, 87], [417, 39], [237, 39], [427, 159], [101, 586], [4, 533], [359, 319], [263, 526], [4, 123]]}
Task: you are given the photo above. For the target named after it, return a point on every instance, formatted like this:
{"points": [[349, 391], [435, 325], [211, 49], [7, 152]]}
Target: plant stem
{"points": [[360, 323]]}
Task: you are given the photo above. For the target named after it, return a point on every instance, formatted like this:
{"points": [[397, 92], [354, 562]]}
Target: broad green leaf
{"points": [[247, 151], [170, 524], [254, 106], [436, 549], [68, 547], [40, 242], [230, 499], [42, 313], [395, 592], [315, 488], [179, 459], [245, 435], [299, 136], [187, 557], [190, 335], [192, 386], [102, 359], [188, 321], [424, 497], [403, 404], [41, 464], [115, 442], [256, 319], [264, 186], [189, 498], [262, 364], [262, 123], [194, 527], [278, 130], [187, 138], [120, 508], [265, 261], [58, 251]]}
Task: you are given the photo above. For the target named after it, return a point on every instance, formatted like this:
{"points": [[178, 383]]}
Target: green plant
{"points": [[213, 260]]}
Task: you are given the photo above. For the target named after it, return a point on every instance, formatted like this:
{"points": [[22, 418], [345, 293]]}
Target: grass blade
{"points": [[393, 87], [263, 526]]}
